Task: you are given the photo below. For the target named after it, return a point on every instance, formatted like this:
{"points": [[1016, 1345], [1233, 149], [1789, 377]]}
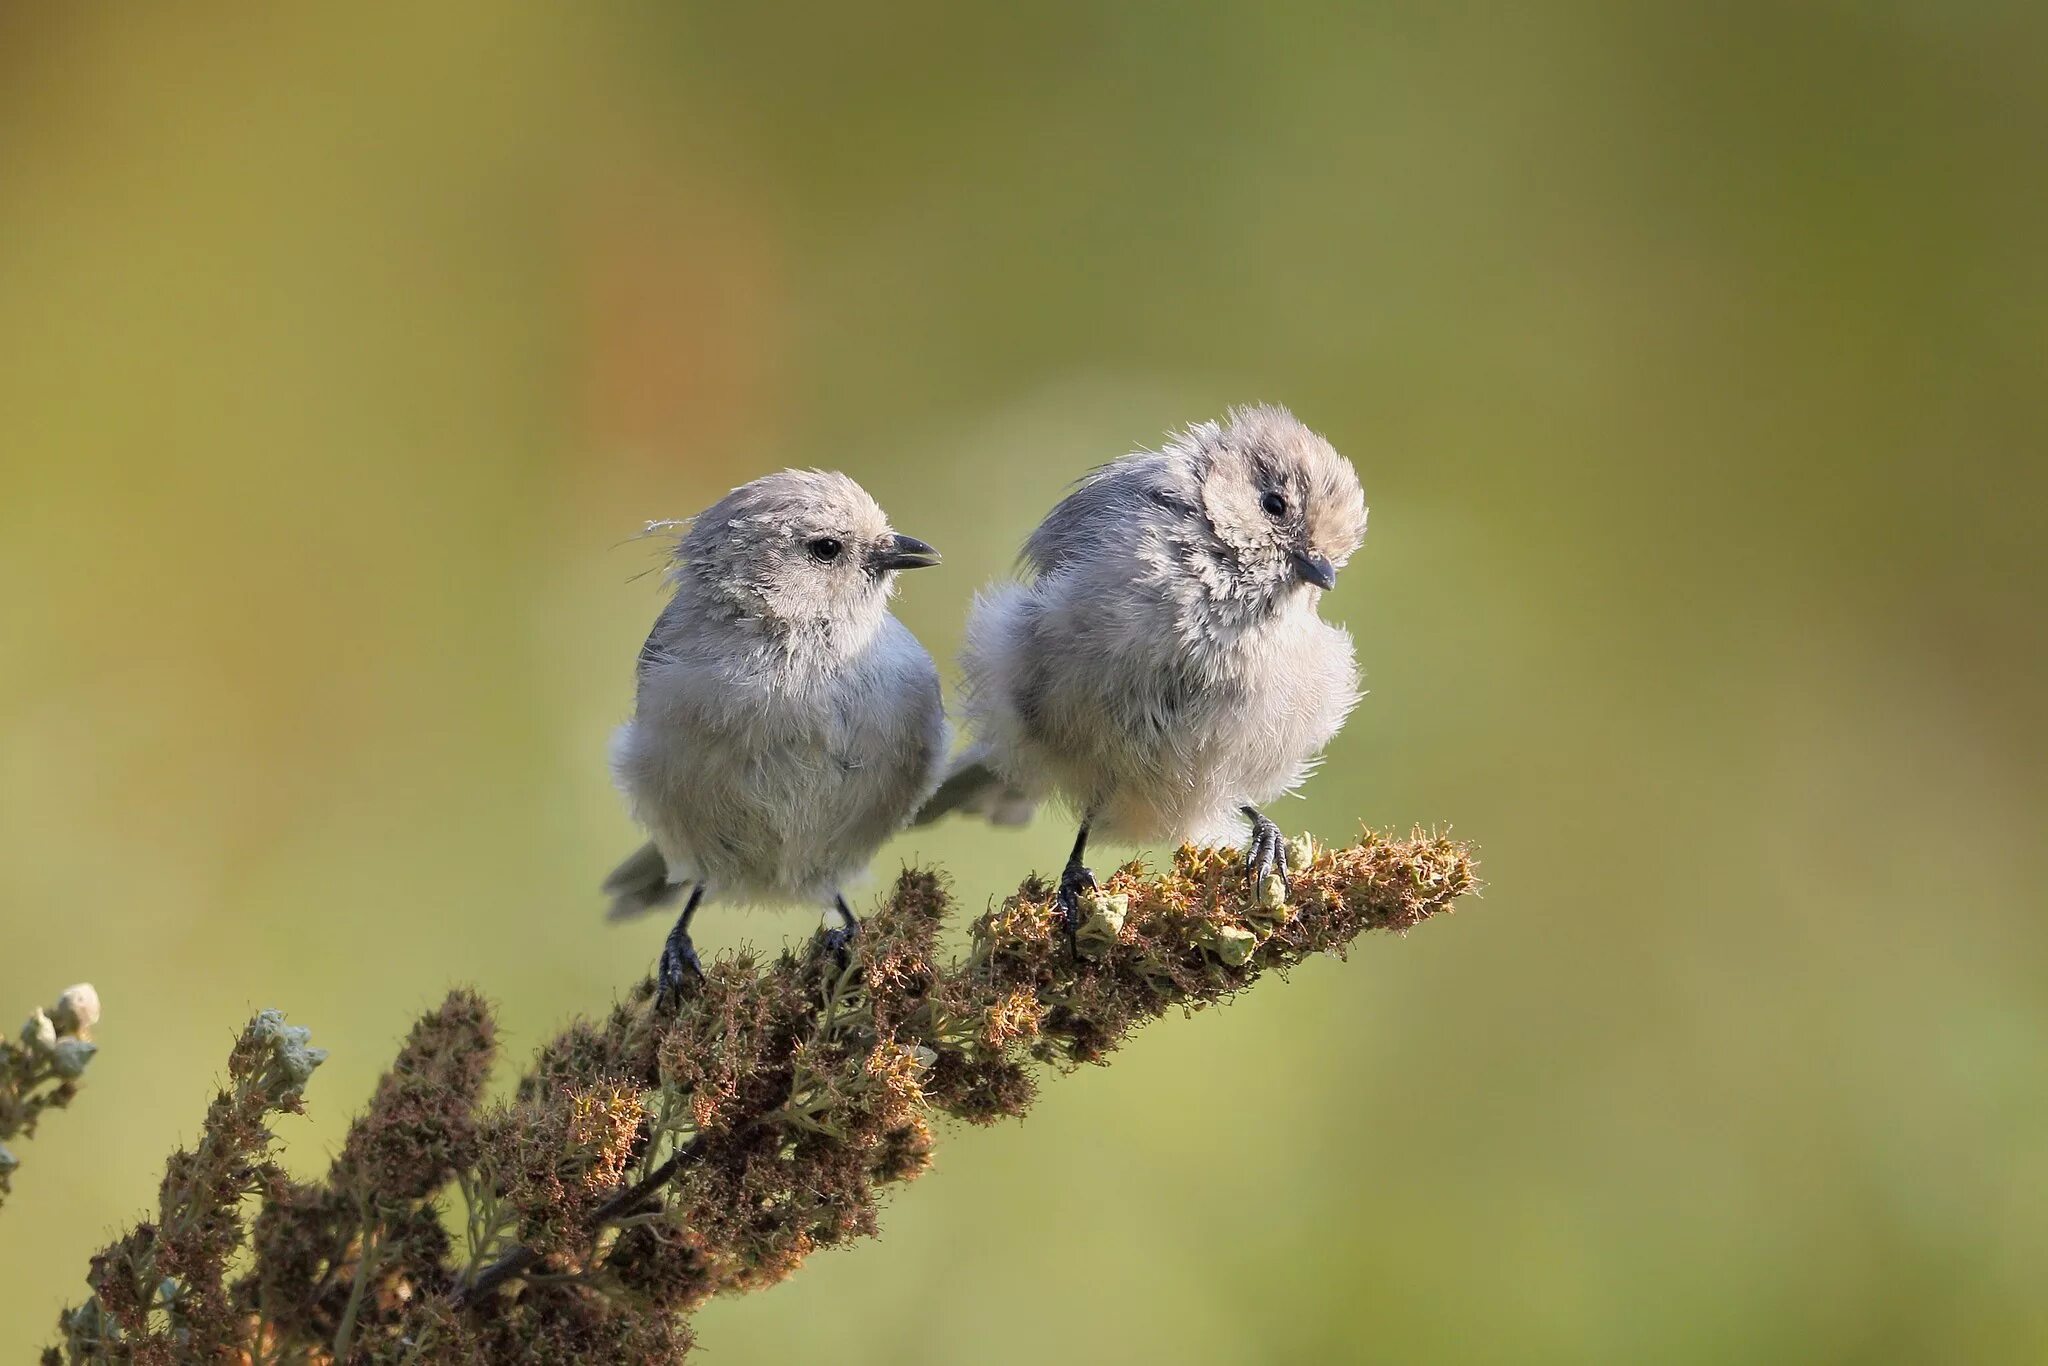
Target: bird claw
{"points": [[1267, 852], [838, 941], [679, 967], [1074, 881]]}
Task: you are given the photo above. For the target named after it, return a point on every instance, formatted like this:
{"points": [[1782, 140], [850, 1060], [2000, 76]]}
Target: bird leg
{"points": [[1267, 852], [1074, 880], [839, 939], [679, 956]]}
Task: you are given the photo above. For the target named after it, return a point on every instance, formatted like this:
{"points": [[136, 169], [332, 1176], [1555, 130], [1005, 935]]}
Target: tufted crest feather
{"points": [[1205, 484]]}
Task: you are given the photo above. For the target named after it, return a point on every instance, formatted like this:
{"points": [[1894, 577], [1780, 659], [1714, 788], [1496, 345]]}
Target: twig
{"points": [[366, 1265], [521, 1259], [517, 1262]]}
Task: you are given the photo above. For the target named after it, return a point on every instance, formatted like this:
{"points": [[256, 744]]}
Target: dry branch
{"points": [[649, 1161], [41, 1071]]}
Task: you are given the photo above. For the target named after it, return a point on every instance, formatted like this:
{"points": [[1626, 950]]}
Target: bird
{"points": [[785, 723], [1159, 664]]}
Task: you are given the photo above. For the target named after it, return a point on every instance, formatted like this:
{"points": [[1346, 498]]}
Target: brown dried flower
{"points": [[648, 1161]]}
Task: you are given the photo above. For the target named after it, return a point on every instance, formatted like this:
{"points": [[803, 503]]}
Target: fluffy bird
{"points": [[1161, 667], [786, 724]]}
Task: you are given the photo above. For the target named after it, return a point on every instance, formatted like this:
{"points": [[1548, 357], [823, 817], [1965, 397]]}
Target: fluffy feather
{"points": [[1162, 664], [786, 724]]}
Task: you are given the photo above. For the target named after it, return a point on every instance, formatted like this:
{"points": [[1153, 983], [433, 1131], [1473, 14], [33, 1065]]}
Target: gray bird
{"points": [[1162, 668], [786, 724]]}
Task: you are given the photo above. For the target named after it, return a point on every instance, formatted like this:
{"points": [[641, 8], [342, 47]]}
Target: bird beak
{"points": [[1315, 569], [904, 552]]}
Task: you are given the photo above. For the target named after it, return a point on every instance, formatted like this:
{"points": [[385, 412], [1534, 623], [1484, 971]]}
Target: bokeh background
{"points": [[1693, 356]]}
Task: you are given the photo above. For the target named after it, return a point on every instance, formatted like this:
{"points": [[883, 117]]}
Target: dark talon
{"points": [[838, 940], [1267, 852], [679, 967], [679, 962], [1074, 880]]}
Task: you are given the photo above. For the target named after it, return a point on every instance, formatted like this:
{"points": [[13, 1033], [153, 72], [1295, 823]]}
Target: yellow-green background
{"points": [[1694, 360]]}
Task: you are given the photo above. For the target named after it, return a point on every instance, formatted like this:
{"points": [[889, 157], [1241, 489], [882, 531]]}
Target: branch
{"points": [[56, 1044], [521, 1260], [651, 1160]]}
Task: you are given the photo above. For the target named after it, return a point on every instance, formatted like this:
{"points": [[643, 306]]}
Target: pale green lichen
{"points": [[1301, 850], [1232, 945], [77, 1010], [40, 1033], [1102, 920], [69, 1056], [291, 1056]]}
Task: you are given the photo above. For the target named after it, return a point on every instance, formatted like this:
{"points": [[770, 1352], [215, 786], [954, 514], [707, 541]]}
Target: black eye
{"points": [[1275, 504], [823, 549]]}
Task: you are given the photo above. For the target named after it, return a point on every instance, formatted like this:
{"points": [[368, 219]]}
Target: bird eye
{"points": [[824, 549], [1275, 504]]}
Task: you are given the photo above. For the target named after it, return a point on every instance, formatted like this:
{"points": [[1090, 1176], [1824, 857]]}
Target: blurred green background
{"points": [[1694, 360]]}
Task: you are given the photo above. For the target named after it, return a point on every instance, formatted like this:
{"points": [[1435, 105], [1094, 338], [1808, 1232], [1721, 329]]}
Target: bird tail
{"points": [[640, 884], [973, 787]]}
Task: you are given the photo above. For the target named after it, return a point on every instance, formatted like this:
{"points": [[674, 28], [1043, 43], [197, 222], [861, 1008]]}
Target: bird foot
{"points": [[1075, 880], [838, 941], [679, 969], [1267, 852]]}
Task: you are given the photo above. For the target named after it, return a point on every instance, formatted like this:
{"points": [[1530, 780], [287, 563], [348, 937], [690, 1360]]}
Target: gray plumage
{"points": [[640, 884], [1162, 667], [786, 724]]}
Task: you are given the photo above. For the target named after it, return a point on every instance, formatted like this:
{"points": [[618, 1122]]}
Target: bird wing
{"points": [[1109, 502], [663, 637], [640, 884], [975, 788]]}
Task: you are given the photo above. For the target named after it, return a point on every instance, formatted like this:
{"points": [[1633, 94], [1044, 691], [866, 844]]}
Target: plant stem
{"points": [[366, 1264]]}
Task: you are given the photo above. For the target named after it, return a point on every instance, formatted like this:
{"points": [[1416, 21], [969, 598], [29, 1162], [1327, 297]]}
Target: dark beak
{"points": [[904, 552], [1315, 569]]}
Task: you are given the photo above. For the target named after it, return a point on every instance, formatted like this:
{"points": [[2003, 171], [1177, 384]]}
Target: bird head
{"points": [[802, 549], [1284, 509]]}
